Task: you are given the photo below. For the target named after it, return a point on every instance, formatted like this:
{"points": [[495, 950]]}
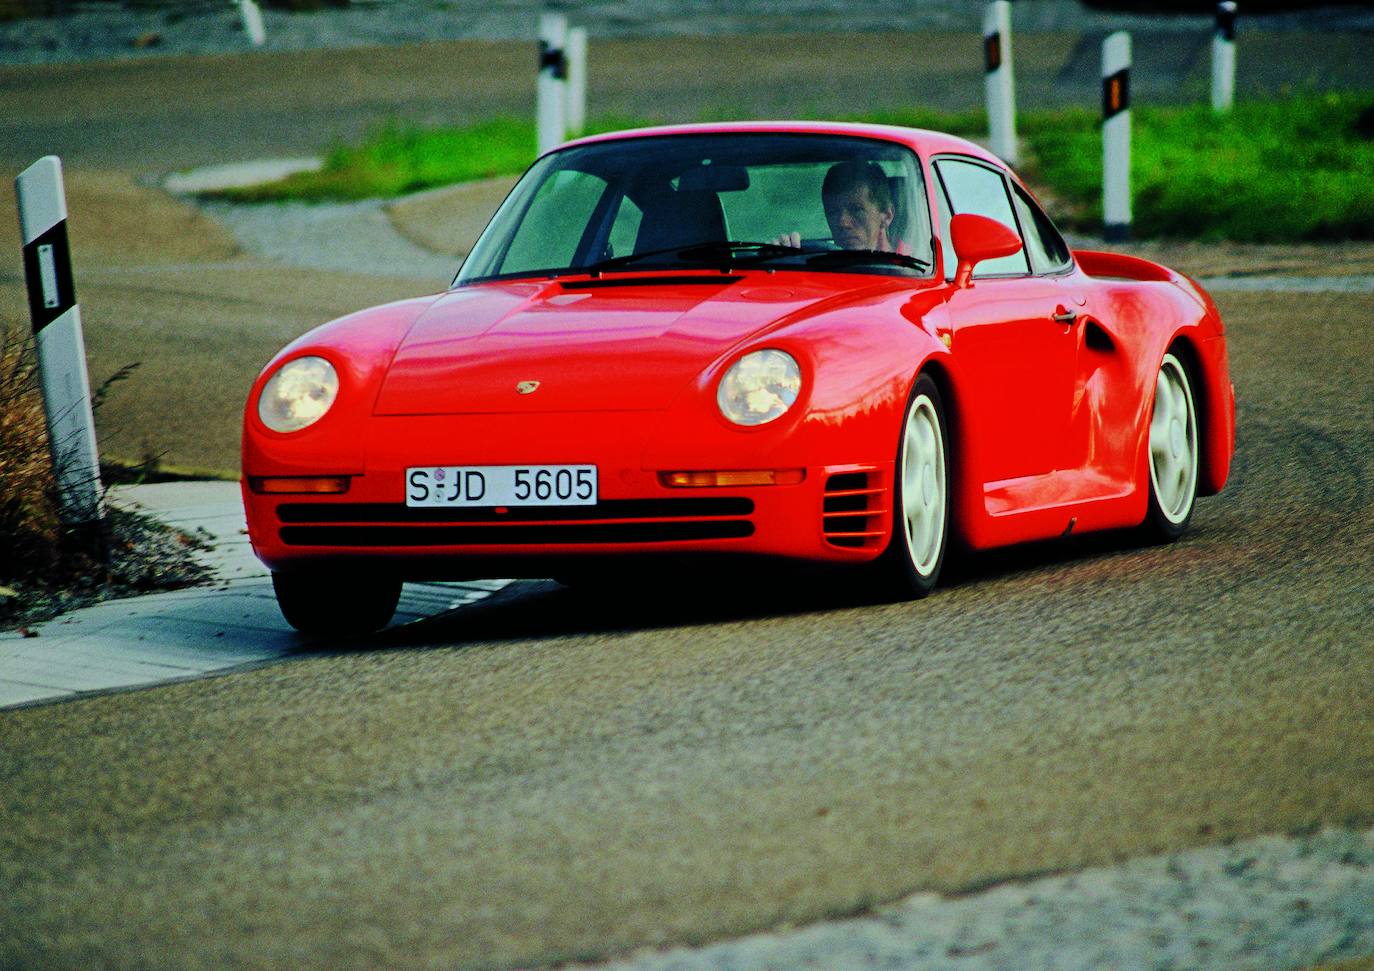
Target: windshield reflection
{"points": [[817, 202]]}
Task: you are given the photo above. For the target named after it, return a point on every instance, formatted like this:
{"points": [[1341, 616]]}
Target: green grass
{"points": [[1273, 171], [400, 158]]}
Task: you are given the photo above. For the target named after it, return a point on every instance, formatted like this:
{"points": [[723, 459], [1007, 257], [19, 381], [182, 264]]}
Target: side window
{"points": [[977, 189], [942, 218], [1047, 249], [554, 222]]}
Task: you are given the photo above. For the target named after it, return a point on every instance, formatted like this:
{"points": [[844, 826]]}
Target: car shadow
{"points": [[536, 609]]}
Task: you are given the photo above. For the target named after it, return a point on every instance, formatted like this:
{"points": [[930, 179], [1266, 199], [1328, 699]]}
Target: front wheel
{"points": [[1173, 453], [920, 495], [336, 604]]}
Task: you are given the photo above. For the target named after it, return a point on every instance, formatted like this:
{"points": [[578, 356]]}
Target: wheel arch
{"points": [[1209, 412], [955, 445]]}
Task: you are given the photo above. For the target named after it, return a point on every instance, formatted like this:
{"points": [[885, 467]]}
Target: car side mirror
{"points": [[978, 238]]}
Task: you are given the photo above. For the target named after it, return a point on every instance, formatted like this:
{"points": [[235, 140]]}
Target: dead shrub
{"points": [[30, 531]]}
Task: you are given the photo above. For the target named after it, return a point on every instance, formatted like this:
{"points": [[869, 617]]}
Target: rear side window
{"points": [[1047, 250], [973, 188]]}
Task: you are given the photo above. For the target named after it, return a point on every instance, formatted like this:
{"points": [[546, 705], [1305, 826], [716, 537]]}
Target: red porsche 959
{"points": [[820, 342]]}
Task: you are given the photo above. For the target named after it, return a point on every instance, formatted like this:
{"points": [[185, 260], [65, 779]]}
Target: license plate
{"points": [[501, 485]]}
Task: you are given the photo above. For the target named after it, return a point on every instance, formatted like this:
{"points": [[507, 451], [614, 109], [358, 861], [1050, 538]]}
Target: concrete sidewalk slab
{"points": [[181, 634]]}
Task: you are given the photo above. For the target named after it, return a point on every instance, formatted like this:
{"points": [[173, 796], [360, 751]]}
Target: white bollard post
{"points": [[1224, 57], [252, 22], [577, 80], [550, 120], [1116, 137], [57, 335], [997, 80]]}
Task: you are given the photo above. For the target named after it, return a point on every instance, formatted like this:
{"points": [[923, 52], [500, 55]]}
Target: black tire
{"points": [[1173, 453], [336, 604], [920, 529]]}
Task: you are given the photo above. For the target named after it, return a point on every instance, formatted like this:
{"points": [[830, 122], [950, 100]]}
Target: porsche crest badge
{"points": [[527, 387]]}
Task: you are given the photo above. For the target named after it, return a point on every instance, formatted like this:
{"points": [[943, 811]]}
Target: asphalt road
{"points": [[561, 773], [569, 773]]}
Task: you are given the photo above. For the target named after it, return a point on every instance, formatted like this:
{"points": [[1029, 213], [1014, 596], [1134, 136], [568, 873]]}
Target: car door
{"points": [[1014, 358]]}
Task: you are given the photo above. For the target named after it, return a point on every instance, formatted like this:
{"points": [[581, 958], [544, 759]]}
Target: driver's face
{"points": [[855, 220]]}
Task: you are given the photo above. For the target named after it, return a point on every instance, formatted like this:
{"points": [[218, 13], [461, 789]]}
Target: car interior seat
{"points": [[680, 218], [897, 231]]}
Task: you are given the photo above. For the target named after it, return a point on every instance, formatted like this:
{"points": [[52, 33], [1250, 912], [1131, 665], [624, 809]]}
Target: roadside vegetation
{"points": [[1268, 172], [44, 568], [28, 514], [1287, 170]]}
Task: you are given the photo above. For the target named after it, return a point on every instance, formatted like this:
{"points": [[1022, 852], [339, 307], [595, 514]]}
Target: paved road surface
{"points": [[557, 774]]}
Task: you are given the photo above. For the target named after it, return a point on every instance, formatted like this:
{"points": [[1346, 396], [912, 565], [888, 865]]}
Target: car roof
{"points": [[925, 141]]}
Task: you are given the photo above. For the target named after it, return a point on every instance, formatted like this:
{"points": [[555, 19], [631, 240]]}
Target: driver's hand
{"points": [[787, 239]]}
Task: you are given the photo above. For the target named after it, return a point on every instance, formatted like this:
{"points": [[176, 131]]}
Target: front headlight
{"points": [[759, 387], [298, 395]]}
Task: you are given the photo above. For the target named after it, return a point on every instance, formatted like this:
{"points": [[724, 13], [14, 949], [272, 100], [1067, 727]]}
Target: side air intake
{"points": [[855, 515]]}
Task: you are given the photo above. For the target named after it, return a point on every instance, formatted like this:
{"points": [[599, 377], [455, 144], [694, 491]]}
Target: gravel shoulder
{"points": [[1271, 903]]}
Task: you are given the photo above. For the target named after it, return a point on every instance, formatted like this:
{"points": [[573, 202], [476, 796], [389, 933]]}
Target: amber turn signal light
{"points": [[731, 478], [317, 484]]}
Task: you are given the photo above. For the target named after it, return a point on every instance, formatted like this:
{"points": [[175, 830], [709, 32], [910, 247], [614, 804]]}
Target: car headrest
{"points": [[896, 184], [680, 218]]}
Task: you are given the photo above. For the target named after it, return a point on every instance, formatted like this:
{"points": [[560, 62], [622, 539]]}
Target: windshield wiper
{"points": [[852, 257], [705, 252]]}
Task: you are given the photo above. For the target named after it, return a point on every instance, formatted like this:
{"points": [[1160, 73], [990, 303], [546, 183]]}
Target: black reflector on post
{"points": [[1116, 93]]}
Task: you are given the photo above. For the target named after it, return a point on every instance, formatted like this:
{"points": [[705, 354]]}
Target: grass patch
{"points": [[1272, 171], [398, 159]]}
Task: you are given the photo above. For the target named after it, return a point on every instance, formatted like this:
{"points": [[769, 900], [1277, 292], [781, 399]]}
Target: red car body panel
{"points": [[1048, 422]]}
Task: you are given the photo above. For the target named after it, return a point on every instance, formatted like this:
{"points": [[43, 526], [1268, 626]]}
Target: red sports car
{"points": [[824, 342]]}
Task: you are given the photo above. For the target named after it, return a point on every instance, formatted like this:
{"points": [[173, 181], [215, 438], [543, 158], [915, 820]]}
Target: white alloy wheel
{"points": [[1173, 449], [923, 493]]}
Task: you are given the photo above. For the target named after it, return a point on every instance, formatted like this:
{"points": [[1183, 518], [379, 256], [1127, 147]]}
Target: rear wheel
{"points": [[920, 495], [1173, 452], [338, 604]]}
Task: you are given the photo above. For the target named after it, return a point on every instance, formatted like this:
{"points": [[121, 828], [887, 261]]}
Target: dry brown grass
{"points": [[29, 528]]}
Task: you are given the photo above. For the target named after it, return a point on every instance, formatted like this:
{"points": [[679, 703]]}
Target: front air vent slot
{"points": [[854, 511], [343, 524], [608, 509], [525, 534]]}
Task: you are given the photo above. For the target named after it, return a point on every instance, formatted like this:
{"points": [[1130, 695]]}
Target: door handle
{"points": [[1066, 317]]}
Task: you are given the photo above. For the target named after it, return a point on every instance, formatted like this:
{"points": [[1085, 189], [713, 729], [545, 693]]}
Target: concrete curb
{"points": [[182, 634]]}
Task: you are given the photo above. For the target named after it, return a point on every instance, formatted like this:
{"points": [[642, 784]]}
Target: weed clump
{"points": [[29, 526], [46, 567]]}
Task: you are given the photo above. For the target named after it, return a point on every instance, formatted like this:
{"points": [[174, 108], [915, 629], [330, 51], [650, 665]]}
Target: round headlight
{"points": [[759, 387], [298, 395]]}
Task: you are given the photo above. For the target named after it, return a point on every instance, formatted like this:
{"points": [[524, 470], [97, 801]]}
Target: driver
{"points": [[858, 207]]}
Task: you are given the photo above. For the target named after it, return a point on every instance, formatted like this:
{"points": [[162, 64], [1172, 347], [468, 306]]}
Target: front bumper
{"points": [[837, 513]]}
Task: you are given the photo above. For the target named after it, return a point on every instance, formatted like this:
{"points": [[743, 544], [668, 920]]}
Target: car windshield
{"points": [[819, 202]]}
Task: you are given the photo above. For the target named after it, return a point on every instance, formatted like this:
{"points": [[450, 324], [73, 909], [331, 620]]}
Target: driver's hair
{"points": [[843, 176]]}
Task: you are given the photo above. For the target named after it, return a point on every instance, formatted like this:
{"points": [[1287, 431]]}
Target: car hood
{"points": [[618, 343]]}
